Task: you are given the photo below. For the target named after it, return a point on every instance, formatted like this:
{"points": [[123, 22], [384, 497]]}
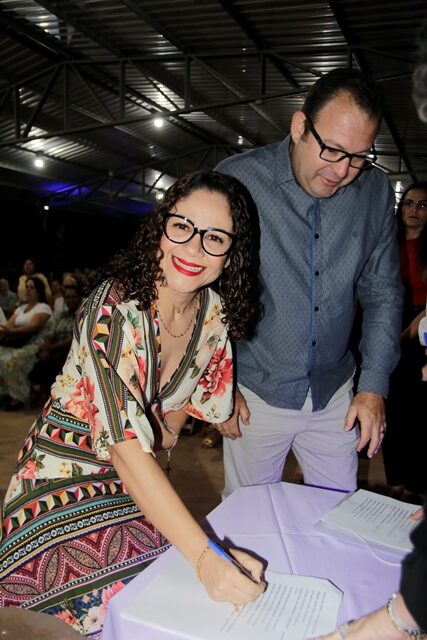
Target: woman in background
{"points": [[29, 269], [20, 339], [405, 442], [54, 349], [57, 293]]}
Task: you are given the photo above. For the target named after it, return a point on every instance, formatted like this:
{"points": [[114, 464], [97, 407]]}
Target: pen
{"points": [[229, 558]]}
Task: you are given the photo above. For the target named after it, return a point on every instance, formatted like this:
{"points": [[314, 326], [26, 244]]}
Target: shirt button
{"points": [[313, 343], [316, 235], [317, 273], [316, 308]]}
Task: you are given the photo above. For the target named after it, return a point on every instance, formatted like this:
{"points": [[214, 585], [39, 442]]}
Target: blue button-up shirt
{"points": [[318, 257]]}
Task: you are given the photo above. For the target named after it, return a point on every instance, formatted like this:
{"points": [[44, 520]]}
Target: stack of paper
{"points": [[378, 519], [292, 608]]}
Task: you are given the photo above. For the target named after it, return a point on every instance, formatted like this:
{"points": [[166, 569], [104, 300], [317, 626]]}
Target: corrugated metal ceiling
{"points": [[81, 82]]}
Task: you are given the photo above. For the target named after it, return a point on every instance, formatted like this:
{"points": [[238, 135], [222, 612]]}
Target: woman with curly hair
{"points": [[89, 507]]}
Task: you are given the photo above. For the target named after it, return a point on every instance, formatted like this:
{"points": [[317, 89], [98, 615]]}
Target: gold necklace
{"points": [[177, 335]]}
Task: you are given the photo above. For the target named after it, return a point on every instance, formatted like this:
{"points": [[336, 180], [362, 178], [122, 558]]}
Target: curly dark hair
{"points": [[138, 269], [399, 218], [40, 288], [366, 93]]}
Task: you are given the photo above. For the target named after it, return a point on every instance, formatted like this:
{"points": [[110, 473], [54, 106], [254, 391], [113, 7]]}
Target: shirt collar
{"points": [[283, 171]]}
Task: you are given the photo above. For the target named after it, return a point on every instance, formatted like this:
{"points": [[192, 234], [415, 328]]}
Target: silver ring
{"points": [[343, 630]]}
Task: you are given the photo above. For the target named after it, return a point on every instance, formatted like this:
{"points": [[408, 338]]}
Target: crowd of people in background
{"points": [[36, 327]]}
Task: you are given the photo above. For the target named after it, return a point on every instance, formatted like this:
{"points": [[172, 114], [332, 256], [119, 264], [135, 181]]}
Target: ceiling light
{"points": [[158, 123], [38, 161], [160, 195], [46, 207], [37, 144], [240, 140]]}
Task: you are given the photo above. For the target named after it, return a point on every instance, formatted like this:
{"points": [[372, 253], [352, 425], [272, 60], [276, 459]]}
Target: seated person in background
{"points": [[29, 269], [56, 344], [90, 276], [67, 281], [80, 277], [7, 298], [56, 288], [19, 344]]}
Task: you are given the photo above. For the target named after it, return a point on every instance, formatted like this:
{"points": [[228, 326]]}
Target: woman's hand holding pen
{"points": [[225, 583]]}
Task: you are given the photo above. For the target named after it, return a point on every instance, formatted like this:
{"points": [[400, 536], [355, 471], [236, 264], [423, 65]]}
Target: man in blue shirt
{"points": [[327, 242]]}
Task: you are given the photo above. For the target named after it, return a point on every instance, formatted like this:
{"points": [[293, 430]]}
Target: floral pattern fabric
{"points": [[71, 535]]}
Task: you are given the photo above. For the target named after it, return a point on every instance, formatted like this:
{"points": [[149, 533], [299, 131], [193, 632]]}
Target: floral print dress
{"points": [[71, 535]]}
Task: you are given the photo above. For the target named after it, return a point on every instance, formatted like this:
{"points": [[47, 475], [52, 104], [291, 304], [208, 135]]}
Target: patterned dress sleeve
{"points": [[110, 391], [213, 397]]}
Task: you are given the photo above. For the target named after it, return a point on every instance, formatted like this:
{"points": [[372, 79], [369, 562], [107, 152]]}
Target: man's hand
{"points": [[231, 427], [369, 410]]}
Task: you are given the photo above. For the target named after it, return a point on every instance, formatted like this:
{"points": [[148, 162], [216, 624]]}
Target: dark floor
{"points": [[197, 472]]}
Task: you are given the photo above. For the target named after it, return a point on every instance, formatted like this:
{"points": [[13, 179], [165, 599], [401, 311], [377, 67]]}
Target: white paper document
{"points": [[378, 519], [292, 608]]}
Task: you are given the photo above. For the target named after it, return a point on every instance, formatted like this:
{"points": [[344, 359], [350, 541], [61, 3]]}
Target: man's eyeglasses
{"points": [[179, 229], [422, 204], [331, 154]]}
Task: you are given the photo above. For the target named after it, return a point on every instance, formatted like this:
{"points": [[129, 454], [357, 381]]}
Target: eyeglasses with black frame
{"points": [[180, 229], [331, 154]]}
